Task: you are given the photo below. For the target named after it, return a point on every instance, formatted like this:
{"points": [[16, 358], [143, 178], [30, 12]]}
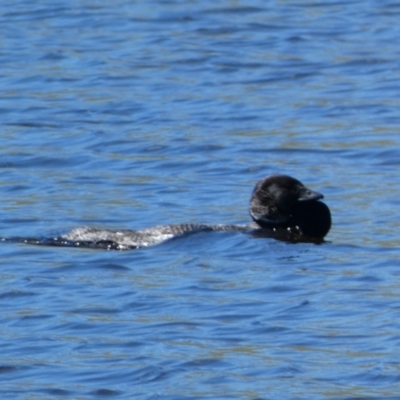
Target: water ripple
{"points": [[128, 115]]}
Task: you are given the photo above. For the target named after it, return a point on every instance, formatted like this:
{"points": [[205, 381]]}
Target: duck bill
{"points": [[308, 195]]}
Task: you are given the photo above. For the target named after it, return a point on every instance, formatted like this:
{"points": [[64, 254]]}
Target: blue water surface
{"points": [[130, 114]]}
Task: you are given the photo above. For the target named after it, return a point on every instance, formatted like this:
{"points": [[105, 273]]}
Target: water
{"points": [[131, 114]]}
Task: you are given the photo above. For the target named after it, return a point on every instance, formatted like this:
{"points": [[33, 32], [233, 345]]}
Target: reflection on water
{"points": [[131, 115]]}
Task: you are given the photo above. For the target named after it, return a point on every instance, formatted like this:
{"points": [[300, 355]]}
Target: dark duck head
{"points": [[284, 205]]}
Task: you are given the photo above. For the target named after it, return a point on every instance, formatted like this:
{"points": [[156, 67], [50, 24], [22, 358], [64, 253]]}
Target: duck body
{"points": [[134, 239], [281, 207]]}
